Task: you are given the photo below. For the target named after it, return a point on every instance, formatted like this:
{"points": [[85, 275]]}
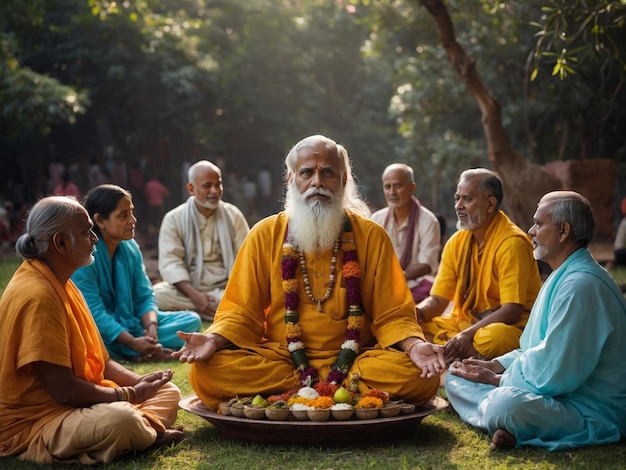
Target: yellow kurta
{"points": [[506, 272], [251, 316]]}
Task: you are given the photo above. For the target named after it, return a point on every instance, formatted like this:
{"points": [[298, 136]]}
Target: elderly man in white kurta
{"points": [[414, 230], [198, 243]]}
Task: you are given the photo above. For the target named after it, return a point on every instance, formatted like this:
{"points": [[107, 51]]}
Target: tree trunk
{"points": [[524, 183]]}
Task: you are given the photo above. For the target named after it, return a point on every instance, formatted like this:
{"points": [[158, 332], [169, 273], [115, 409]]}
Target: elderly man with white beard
{"points": [[316, 294]]}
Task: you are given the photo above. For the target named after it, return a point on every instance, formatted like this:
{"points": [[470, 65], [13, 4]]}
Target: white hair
{"points": [[202, 164], [352, 199]]}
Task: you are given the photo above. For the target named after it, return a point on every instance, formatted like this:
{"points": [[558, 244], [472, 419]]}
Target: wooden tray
{"points": [[310, 432]]}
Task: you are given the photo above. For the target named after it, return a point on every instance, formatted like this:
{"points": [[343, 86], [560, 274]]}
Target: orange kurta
{"points": [[41, 320], [251, 315]]}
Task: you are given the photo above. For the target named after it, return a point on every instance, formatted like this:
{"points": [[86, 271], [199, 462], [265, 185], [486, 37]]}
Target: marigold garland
{"points": [[293, 330]]}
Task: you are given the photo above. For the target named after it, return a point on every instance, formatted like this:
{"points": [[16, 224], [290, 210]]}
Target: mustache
{"points": [[317, 191]]}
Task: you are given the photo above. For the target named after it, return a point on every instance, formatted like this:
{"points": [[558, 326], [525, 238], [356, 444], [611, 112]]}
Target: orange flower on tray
{"points": [[369, 402], [282, 397], [326, 389], [384, 396], [322, 402]]}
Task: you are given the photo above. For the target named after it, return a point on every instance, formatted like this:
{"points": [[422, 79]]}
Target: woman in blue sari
{"points": [[117, 288]]}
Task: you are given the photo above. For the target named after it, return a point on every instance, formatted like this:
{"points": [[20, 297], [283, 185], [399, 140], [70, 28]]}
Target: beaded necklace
{"points": [[293, 329], [331, 281]]}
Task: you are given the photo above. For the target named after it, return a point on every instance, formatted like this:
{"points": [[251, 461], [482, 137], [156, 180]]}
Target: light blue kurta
{"points": [[119, 293], [566, 385]]}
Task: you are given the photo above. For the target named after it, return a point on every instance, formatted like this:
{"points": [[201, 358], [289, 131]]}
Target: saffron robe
{"points": [[565, 386], [118, 293], [42, 320], [251, 316], [505, 272]]}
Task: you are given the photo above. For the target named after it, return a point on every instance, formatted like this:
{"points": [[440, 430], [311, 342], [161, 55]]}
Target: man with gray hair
{"points": [[316, 294], [62, 398], [414, 230], [198, 243], [487, 270], [565, 386]]}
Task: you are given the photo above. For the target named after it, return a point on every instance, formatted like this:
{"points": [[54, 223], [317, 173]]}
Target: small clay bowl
{"points": [[277, 414], [342, 415], [224, 408], [253, 412], [407, 408], [389, 411], [300, 415], [318, 414], [237, 410], [366, 413]]}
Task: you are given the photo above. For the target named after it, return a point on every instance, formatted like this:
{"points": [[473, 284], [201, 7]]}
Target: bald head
{"points": [[200, 167], [401, 168]]}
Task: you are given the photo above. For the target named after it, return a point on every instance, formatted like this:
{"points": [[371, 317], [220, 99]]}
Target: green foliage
{"points": [[173, 80], [30, 102], [573, 32]]}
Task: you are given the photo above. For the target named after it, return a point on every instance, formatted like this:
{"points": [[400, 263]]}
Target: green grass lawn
{"points": [[441, 441]]}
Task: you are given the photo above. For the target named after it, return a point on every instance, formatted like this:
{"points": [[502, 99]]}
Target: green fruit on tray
{"points": [[342, 396], [258, 400]]}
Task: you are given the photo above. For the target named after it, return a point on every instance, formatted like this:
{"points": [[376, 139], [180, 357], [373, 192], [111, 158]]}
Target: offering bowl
{"points": [[389, 411], [277, 414], [253, 412], [407, 408], [366, 413], [318, 414], [224, 408], [236, 410], [342, 415], [299, 414]]}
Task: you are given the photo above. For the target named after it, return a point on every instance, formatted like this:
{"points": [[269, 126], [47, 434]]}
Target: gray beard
{"points": [[468, 225], [540, 252], [313, 226]]}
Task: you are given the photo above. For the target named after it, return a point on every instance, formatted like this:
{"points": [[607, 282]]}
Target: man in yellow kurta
{"points": [[62, 399], [487, 270], [298, 278]]}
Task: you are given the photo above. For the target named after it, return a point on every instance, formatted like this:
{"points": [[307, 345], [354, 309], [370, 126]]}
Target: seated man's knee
{"points": [[502, 407], [496, 339], [169, 391]]}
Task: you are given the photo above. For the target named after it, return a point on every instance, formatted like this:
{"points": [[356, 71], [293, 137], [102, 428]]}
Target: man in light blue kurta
{"points": [[566, 385], [118, 293]]}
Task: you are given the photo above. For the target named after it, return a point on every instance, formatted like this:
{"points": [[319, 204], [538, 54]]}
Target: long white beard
{"points": [[313, 225]]}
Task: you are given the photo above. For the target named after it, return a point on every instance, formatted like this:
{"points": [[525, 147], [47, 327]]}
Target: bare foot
{"points": [[502, 439], [169, 438]]}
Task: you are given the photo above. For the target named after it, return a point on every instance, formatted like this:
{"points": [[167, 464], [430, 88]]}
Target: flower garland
{"points": [[293, 328]]}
